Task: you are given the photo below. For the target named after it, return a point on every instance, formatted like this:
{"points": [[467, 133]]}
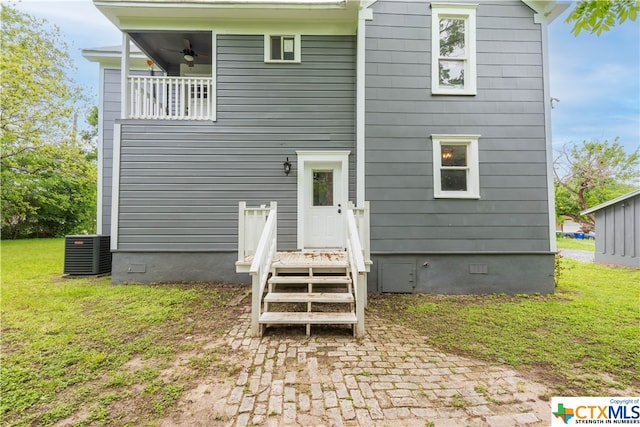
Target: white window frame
{"points": [[467, 12], [472, 168], [297, 51]]}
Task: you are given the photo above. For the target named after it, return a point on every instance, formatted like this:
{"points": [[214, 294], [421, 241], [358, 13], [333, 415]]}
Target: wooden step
{"points": [[324, 297], [303, 318], [316, 280], [314, 259], [318, 265]]}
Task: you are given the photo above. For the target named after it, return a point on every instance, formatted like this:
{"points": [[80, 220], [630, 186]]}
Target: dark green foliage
{"points": [[48, 176]]}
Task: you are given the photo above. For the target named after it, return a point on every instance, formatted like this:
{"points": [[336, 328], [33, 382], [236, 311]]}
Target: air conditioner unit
{"points": [[87, 254]]}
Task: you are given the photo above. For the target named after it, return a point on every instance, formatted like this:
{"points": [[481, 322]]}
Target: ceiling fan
{"points": [[188, 53]]}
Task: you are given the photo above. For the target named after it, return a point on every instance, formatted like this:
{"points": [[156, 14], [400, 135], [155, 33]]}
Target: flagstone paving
{"points": [[389, 378]]}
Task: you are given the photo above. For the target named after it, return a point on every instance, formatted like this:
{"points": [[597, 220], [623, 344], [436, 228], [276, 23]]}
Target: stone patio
{"points": [[390, 378]]}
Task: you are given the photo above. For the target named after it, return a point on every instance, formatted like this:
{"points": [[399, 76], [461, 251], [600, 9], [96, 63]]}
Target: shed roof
{"points": [[611, 202]]}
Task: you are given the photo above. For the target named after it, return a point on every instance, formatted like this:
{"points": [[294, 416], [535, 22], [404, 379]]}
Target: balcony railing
{"points": [[170, 98]]}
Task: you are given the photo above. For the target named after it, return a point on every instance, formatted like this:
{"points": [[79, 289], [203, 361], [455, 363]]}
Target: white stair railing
{"points": [[358, 270], [261, 266], [251, 222], [170, 98], [361, 216]]}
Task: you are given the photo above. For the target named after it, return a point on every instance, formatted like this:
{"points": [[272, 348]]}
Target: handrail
{"points": [[358, 271], [251, 223], [353, 241], [361, 216], [261, 265]]}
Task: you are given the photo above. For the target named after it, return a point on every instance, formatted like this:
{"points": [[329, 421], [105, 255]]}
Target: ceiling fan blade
{"points": [[186, 43], [170, 50]]}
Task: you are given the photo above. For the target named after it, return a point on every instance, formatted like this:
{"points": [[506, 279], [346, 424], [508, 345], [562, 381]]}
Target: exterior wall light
{"points": [[287, 167]]}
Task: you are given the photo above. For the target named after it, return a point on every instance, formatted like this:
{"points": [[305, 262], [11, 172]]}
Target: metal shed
{"points": [[618, 230]]}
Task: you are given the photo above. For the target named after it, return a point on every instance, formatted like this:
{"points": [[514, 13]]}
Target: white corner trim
{"points": [[124, 76], [115, 187], [304, 157], [363, 15], [214, 74], [100, 192], [553, 247]]}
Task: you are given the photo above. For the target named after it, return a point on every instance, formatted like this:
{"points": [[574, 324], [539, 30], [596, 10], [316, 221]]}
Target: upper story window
{"points": [[455, 166], [453, 50], [282, 48]]}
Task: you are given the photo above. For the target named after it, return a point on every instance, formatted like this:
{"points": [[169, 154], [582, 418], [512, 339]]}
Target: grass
{"points": [[581, 244], [85, 352], [88, 352], [583, 340]]}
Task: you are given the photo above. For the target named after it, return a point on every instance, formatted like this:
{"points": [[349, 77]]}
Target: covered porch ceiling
{"points": [[167, 49], [163, 29]]}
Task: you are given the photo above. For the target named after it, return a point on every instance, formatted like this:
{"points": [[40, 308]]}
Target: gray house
{"points": [[618, 230], [394, 146]]}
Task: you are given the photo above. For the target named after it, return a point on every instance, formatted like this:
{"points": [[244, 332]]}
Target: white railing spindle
{"points": [[180, 98], [358, 269], [261, 266]]}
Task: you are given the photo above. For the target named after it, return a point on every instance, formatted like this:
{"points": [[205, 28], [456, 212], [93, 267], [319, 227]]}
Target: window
{"points": [[322, 188], [455, 166], [281, 48], [453, 50]]}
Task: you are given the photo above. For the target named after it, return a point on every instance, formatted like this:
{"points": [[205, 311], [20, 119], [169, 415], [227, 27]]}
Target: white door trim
{"points": [[304, 157]]}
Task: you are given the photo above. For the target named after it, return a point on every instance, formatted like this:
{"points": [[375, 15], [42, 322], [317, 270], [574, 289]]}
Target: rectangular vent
{"points": [[478, 269]]}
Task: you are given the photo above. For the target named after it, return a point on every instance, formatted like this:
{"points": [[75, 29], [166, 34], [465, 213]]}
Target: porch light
{"points": [[287, 167]]}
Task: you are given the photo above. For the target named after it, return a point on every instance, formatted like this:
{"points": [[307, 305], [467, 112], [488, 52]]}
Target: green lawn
{"points": [[68, 344], [583, 340], [84, 346], [582, 244]]}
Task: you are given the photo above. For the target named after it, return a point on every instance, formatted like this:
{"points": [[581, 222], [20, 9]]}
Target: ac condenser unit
{"points": [[87, 254]]}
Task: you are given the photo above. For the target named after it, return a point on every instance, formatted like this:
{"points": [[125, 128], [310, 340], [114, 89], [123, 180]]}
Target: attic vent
{"points": [[478, 269], [87, 255]]}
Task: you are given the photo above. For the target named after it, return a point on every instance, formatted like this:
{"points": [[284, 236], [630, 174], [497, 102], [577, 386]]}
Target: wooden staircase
{"points": [[326, 287], [309, 288]]}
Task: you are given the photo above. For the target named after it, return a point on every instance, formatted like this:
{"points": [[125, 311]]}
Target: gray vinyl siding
{"points": [[618, 233], [507, 112], [110, 113], [181, 181]]}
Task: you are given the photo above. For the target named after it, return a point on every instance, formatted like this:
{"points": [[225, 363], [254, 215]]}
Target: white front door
{"points": [[322, 198]]}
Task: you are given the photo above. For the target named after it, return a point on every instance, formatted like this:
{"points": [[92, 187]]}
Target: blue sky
{"points": [[596, 79]]}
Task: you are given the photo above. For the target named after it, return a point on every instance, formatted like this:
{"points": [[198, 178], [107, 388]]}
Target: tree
{"points": [[597, 16], [47, 176], [592, 173], [89, 136]]}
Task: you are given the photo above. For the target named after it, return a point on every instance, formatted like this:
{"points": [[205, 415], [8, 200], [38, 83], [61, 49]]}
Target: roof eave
{"points": [[111, 56], [611, 202], [547, 11], [126, 14]]}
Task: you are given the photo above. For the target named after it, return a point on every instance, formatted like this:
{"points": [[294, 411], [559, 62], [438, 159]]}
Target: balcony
{"points": [[170, 98]]}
